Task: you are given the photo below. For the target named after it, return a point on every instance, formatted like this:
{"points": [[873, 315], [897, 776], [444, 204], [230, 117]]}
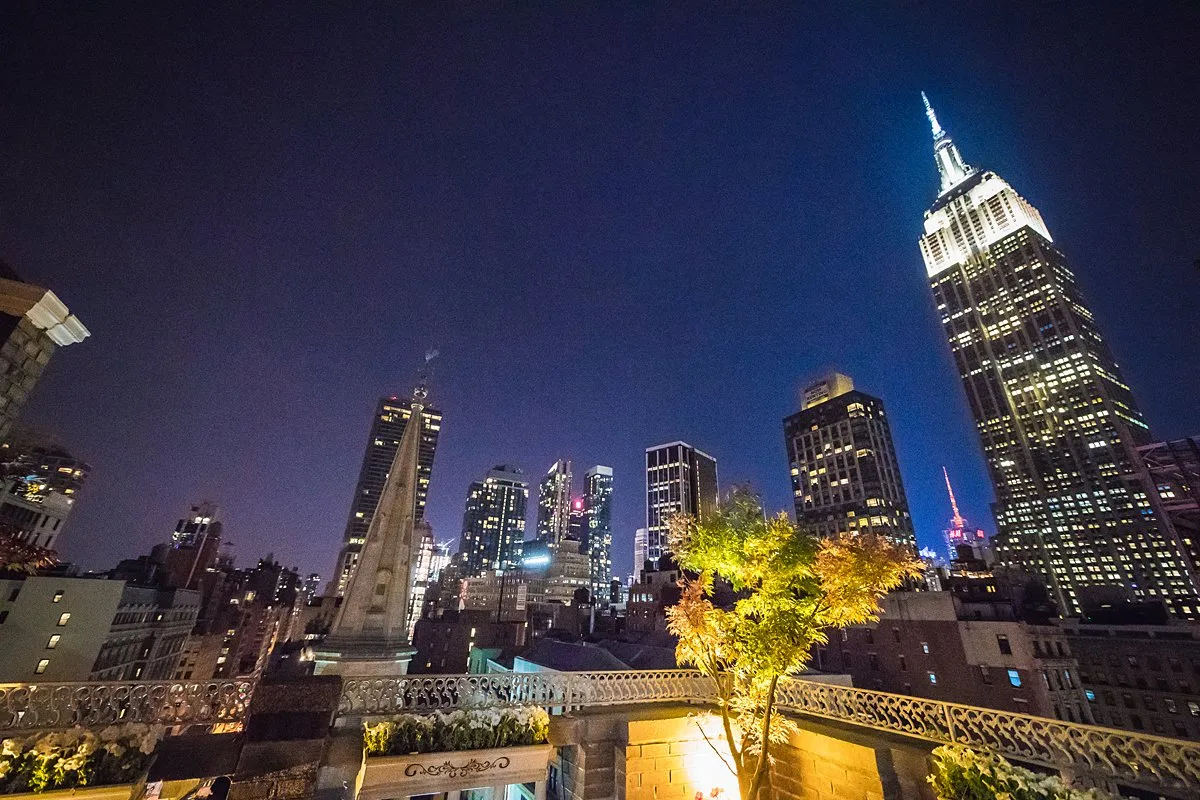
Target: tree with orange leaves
{"points": [[790, 587]]}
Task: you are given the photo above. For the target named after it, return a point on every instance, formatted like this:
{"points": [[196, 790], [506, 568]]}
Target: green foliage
{"points": [[963, 774], [474, 729], [78, 757], [790, 587]]}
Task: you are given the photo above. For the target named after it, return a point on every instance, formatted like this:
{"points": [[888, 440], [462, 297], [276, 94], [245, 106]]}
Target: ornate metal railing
{"points": [[33, 706], [567, 690], [1103, 752], [1106, 753]]}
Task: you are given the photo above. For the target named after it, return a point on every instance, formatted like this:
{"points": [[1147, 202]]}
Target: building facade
{"points": [[679, 480], [1173, 469], [641, 552], [494, 521], [1058, 425], [554, 503], [597, 533], [39, 483], [387, 428], [1140, 677], [34, 323], [74, 629], [200, 523], [935, 645], [843, 466]]}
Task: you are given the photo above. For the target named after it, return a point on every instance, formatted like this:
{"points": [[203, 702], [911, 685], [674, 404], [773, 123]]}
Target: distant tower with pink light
{"points": [[959, 532]]}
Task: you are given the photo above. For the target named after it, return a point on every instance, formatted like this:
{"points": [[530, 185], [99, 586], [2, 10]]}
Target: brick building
{"points": [[1140, 677], [936, 645]]}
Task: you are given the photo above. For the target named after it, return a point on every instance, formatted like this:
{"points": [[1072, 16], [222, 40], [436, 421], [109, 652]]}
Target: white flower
{"points": [[148, 741]]}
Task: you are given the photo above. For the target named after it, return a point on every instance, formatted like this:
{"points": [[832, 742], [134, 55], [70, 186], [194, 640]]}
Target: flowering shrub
{"points": [[474, 729], [960, 773], [78, 757]]}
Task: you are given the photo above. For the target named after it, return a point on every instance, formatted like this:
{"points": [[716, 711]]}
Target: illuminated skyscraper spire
{"points": [[956, 521], [950, 163], [1057, 424]]}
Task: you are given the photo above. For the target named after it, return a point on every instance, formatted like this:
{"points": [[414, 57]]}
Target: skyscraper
{"points": [[641, 552], [39, 483], [371, 631], [494, 521], [845, 476], [200, 523], [960, 533], [387, 428], [554, 503], [597, 543], [679, 479], [1058, 425], [33, 324]]}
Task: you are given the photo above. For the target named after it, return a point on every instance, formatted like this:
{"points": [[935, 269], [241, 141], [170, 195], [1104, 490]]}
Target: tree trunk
{"points": [[764, 753]]}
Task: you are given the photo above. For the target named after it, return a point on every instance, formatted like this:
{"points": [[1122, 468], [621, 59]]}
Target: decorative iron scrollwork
{"points": [[451, 770]]}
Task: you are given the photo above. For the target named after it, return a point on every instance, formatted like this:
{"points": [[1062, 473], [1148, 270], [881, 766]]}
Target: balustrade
{"points": [[41, 706], [1114, 754]]}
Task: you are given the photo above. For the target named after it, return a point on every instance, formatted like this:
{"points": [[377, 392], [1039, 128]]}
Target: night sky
{"points": [[619, 228]]}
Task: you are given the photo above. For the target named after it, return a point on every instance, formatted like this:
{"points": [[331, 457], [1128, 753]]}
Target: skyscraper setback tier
{"points": [[1058, 425], [494, 521], [679, 479], [387, 428], [845, 476]]}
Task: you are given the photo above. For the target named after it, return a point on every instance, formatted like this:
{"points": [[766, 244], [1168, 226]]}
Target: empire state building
{"points": [[1058, 424]]}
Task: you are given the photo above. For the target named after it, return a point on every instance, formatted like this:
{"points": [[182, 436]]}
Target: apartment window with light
{"points": [[63, 618], [58, 596], [41, 667], [925, 648], [933, 678], [1014, 678], [53, 643]]}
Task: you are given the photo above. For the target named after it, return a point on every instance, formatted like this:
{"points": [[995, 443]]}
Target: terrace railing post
{"points": [[951, 731]]}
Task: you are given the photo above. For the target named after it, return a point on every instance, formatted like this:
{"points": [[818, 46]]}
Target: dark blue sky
{"points": [[619, 228]]}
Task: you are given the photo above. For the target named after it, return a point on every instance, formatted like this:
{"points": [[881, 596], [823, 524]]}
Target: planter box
{"points": [[119, 791], [428, 773]]}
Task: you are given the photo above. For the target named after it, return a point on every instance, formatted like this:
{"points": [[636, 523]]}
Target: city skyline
{"points": [[215, 375]]}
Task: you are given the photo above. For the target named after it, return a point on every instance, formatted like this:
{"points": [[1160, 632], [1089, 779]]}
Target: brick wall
{"points": [[662, 754]]}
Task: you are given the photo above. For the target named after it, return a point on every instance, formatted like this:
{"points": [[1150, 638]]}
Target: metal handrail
{"points": [[92, 704], [1109, 753]]}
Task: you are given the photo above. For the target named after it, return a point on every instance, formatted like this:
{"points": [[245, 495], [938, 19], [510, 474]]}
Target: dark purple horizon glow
{"points": [[619, 227]]}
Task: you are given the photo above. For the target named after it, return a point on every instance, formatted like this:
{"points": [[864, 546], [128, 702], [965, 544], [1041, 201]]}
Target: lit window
{"points": [[925, 648], [53, 643], [933, 678], [63, 618], [1014, 678], [58, 596], [41, 667]]}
